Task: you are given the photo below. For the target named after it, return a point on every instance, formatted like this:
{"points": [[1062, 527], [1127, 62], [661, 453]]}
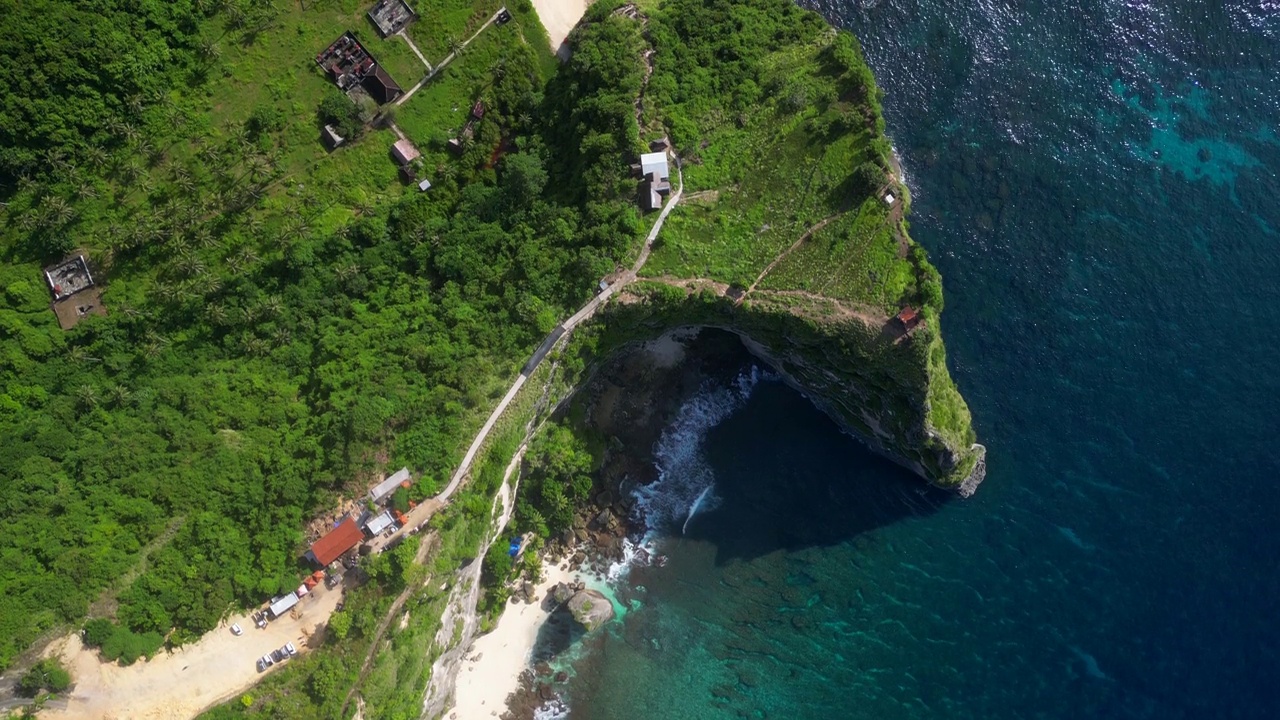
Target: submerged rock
{"points": [[590, 608]]}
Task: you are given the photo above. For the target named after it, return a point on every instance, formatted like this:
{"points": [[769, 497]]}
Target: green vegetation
{"points": [[556, 482], [45, 675], [276, 318], [284, 323]]}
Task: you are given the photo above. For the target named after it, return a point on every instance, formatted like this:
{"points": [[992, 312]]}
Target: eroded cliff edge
{"points": [[792, 226], [887, 387]]}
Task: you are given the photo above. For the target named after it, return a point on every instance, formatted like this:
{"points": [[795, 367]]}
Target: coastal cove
{"points": [[1119, 559], [647, 300]]}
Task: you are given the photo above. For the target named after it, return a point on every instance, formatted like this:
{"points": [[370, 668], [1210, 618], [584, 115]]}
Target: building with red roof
{"points": [[909, 317], [337, 542]]}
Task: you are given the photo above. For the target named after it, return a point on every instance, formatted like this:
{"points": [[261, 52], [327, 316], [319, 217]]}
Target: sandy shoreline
{"points": [[495, 661], [559, 17]]}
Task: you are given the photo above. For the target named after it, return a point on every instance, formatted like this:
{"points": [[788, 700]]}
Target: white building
{"points": [[654, 163], [383, 490], [379, 523], [282, 606]]}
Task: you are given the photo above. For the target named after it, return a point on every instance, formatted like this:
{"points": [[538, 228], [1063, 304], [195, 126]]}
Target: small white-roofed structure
{"points": [[379, 523], [888, 199], [283, 605], [425, 185], [654, 164], [383, 490]]}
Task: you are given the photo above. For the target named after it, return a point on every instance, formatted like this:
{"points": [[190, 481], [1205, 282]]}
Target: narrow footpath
{"points": [[554, 337], [448, 58], [405, 36]]}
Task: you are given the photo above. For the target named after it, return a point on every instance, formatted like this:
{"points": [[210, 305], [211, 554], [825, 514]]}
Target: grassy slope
{"points": [[761, 181]]}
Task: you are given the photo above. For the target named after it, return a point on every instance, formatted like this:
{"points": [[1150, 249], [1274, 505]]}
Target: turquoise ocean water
{"points": [[1099, 183]]}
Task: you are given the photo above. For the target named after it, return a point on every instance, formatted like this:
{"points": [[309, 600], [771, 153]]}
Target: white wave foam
{"points": [[685, 484], [554, 709]]}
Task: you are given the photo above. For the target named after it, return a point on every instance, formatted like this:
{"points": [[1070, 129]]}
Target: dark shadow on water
{"points": [[557, 634], [787, 478]]}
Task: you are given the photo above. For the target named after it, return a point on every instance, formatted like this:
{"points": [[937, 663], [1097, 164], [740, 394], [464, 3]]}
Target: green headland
{"points": [[273, 325]]}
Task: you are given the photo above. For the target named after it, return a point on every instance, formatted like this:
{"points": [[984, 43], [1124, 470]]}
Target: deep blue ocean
{"points": [[1099, 183]]}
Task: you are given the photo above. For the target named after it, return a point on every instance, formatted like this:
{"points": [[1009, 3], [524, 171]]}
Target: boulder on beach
{"points": [[590, 608], [561, 593]]}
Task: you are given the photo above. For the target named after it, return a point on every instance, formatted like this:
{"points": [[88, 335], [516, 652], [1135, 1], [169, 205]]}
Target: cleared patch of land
{"points": [[183, 682]]}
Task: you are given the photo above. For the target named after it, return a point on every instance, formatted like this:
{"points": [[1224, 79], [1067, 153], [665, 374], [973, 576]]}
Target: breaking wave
{"points": [[686, 483]]}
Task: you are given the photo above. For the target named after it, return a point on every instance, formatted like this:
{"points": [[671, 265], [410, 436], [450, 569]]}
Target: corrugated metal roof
{"points": [[654, 163], [380, 523], [380, 491], [282, 605]]}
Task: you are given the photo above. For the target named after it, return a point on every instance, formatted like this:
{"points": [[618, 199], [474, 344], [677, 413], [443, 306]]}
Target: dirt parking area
{"points": [[182, 683]]}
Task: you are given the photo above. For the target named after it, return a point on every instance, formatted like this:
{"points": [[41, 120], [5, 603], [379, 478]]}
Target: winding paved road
{"points": [[559, 332]]}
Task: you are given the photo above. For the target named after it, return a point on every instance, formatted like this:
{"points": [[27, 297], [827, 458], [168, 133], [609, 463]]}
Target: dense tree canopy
{"points": [[252, 365], [76, 75]]}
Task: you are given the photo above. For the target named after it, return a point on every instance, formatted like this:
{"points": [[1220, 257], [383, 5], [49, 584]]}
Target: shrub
{"points": [[48, 674], [337, 109], [264, 119]]}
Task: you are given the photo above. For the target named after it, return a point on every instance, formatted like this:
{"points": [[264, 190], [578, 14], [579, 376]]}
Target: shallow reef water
{"points": [[1098, 183]]}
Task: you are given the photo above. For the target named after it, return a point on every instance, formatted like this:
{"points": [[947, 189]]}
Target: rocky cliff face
{"points": [[887, 386]]}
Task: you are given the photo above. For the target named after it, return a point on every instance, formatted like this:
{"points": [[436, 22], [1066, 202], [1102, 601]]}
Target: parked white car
{"points": [[236, 629], [289, 648]]}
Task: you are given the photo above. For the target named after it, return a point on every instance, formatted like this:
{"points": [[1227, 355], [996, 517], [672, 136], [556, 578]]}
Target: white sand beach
{"points": [[492, 669], [559, 17]]}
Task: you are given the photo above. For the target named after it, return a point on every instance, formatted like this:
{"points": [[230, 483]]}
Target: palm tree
{"points": [[86, 397], [248, 255], [209, 50], [281, 337], [154, 337], [499, 70], [210, 284], [346, 273], [130, 172], [217, 313], [204, 238], [58, 159], [95, 156], [455, 47], [120, 395], [253, 223], [58, 212], [192, 266], [168, 293], [211, 154], [272, 306]]}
